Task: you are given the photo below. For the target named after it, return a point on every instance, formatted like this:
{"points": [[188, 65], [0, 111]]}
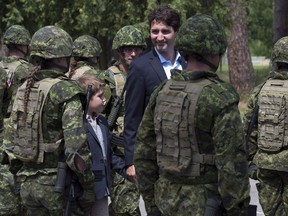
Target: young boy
{"points": [[102, 157]]}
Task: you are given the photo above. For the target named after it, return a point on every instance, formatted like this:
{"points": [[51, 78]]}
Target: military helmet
{"points": [[17, 34], [86, 46], [201, 34], [280, 51], [128, 36], [51, 42]]}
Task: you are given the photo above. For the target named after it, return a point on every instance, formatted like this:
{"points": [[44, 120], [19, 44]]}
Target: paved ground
{"points": [[254, 197], [254, 200]]}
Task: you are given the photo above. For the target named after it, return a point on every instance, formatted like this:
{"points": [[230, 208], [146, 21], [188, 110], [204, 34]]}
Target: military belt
{"points": [[188, 180]]}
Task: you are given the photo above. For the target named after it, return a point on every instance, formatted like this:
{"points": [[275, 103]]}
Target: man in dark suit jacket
{"points": [[145, 74]]}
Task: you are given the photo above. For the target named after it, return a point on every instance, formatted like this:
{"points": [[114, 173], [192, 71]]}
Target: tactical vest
{"points": [[79, 72], [28, 135], [10, 69], [119, 79], [174, 120], [272, 116]]}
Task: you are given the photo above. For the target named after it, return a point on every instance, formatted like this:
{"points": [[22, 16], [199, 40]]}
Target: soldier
{"points": [[9, 203], [190, 152], [265, 120], [46, 124], [16, 38], [127, 45], [85, 52], [4, 99]]}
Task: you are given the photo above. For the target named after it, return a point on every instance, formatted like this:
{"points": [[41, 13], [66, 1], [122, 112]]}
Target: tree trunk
{"points": [[280, 25], [241, 72]]}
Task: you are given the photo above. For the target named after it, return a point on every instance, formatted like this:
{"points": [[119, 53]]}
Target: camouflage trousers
{"points": [[38, 196], [83, 205], [124, 197], [273, 192], [172, 198], [9, 202]]}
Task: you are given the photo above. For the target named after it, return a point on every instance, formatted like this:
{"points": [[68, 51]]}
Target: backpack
{"points": [[174, 120], [28, 136], [272, 116]]}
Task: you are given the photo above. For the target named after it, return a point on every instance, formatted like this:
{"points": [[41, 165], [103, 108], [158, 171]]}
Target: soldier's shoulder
{"points": [[65, 89], [221, 94]]}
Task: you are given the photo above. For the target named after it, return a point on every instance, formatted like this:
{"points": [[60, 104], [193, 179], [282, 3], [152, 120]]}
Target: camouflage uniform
{"points": [[124, 194], [17, 67], [85, 47], [4, 99], [220, 180], [9, 203], [62, 121], [270, 167]]}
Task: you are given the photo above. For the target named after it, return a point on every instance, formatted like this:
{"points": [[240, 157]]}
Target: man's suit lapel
{"points": [[157, 66], [92, 132]]}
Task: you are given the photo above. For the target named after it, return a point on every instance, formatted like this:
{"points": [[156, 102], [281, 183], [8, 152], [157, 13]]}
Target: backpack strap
{"points": [[79, 72], [45, 85], [119, 79]]}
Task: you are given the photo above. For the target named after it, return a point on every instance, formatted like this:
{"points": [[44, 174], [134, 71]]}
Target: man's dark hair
{"points": [[167, 15]]}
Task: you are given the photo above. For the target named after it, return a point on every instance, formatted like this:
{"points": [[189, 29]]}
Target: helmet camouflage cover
{"points": [[201, 34], [17, 34], [51, 42], [280, 51], [86, 46], [128, 36]]}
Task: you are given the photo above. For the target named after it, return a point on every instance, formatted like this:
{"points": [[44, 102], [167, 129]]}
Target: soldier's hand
{"points": [[131, 173]]}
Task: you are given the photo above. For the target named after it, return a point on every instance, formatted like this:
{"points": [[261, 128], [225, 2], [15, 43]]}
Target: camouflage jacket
{"points": [[275, 161], [219, 131], [20, 72], [62, 118], [4, 99]]}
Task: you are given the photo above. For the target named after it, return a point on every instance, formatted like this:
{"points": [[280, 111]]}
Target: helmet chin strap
{"points": [[205, 61]]}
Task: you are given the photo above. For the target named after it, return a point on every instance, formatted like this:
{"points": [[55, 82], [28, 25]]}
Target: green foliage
{"points": [[103, 18], [259, 48], [260, 26]]}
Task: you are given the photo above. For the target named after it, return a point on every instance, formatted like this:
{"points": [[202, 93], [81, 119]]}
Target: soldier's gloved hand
{"points": [[253, 169]]}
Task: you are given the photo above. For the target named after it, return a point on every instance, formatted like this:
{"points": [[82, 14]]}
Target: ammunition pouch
{"points": [[61, 177]]}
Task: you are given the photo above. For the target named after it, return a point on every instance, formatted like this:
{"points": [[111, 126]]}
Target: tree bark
{"points": [[241, 72], [280, 25]]}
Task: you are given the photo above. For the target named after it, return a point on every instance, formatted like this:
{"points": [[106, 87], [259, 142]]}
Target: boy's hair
{"points": [[96, 83], [166, 15]]}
